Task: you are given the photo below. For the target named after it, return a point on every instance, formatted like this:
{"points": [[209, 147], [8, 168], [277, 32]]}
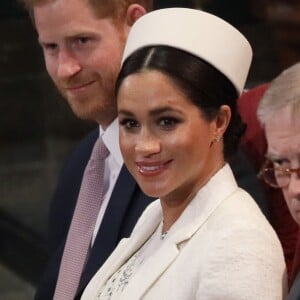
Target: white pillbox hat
{"points": [[199, 33]]}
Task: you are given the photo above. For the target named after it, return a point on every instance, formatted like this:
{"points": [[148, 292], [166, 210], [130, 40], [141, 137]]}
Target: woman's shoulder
{"points": [[239, 215], [244, 245]]}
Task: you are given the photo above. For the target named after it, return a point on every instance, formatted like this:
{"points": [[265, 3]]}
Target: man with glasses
{"points": [[279, 114], [277, 176]]}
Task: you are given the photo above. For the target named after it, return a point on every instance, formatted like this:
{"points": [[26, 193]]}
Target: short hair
{"points": [[102, 8], [205, 86], [283, 91]]}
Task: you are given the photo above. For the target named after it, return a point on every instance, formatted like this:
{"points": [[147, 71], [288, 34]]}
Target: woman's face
{"points": [[165, 141]]}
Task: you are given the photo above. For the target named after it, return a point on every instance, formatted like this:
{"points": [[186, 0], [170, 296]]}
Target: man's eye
{"points": [[50, 47], [281, 163], [83, 40]]}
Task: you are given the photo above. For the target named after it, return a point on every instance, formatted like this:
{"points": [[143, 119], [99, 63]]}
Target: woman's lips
{"points": [[152, 168]]}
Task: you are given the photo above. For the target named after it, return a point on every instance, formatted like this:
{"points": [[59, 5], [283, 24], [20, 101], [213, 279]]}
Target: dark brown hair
{"points": [[204, 85]]}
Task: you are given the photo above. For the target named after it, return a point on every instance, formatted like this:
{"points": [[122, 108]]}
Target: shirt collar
{"points": [[111, 140]]}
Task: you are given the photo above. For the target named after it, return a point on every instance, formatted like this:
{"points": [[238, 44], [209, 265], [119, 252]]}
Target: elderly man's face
{"points": [[283, 136]]}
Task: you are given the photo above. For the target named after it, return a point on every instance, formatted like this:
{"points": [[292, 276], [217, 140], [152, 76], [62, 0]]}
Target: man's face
{"points": [[283, 136], [82, 55]]}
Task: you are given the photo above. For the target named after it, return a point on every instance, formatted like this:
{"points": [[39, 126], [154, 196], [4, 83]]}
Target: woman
{"points": [[204, 238]]}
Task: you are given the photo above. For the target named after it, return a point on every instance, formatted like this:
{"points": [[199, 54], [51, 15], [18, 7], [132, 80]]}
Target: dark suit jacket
{"points": [[125, 206], [294, 293]]}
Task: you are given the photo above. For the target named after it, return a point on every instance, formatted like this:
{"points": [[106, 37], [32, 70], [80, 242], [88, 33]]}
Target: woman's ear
{"points": [[222, 120], [134, 12]]}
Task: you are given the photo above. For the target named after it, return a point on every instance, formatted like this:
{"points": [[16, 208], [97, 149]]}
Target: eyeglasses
{"points": [[275, 176]]}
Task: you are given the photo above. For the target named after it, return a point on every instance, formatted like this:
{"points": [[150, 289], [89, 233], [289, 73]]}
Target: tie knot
{"points": [[99, 151]]}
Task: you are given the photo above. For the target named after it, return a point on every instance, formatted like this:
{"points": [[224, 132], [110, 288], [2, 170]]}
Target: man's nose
{"points": [[68, 65], [294, 186]]}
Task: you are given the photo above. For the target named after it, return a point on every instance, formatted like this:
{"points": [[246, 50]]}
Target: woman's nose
{"points": [[147, 144]]}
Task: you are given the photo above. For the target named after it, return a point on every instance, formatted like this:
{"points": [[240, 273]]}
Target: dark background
{"points": [[37, 129]]}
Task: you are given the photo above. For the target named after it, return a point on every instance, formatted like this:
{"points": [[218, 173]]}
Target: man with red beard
{"points": [[82, 42]]}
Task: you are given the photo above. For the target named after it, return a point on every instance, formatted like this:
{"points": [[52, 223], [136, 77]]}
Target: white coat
{"points": [[223, 248]]}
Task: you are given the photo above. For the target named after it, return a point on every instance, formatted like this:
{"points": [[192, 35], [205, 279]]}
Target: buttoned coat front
{"points": [[221, 247]]}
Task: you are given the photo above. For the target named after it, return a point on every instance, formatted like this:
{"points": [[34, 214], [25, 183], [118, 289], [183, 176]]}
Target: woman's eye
{"points": [[129, 123], [168, 123]]}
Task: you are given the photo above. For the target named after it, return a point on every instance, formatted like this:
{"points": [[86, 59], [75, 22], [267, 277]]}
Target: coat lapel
{"points": [[192, 219], [127, 247], [150, 271]]}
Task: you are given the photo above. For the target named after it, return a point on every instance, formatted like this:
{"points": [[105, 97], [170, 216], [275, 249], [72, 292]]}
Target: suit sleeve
{"points": [[246, 178]]}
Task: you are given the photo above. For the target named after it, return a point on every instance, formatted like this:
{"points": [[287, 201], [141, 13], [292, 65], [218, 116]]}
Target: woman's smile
{"points": [[152, 168]]}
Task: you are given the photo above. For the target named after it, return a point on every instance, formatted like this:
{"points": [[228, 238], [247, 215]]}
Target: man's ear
{"points": [[134, 12]]}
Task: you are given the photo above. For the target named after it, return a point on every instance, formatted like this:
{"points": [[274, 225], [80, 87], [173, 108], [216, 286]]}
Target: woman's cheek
{"points": [[127, 148]]}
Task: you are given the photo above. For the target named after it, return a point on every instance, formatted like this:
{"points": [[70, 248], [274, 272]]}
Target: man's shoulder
{"points": [[87, 142], [84, 147], [79, 156]]}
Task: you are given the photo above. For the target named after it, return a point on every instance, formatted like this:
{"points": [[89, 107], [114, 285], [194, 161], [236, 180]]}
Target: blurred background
{"points": [[38, 131]]}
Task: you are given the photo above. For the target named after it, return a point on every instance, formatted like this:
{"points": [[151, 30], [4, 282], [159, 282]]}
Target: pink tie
{"points": [[82, 225]]}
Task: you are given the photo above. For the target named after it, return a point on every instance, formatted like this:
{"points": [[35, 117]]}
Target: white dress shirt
{"points": [[113, 165]]}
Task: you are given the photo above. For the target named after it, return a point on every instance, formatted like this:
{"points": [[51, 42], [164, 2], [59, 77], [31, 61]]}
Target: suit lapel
{"points": [[108, 236]]}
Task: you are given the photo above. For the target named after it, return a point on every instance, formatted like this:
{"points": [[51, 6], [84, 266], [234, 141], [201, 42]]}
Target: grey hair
{"points": [[283, 92]]}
